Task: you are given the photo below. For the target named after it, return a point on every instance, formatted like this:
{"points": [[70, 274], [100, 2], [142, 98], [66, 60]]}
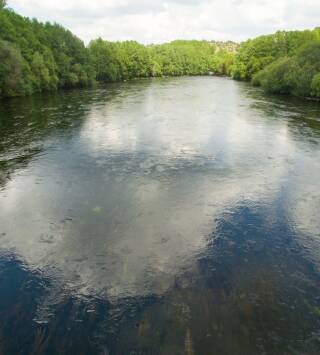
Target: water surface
{"points": [[167, 216]]}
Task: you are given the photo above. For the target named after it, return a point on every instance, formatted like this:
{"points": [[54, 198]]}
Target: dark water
{"points": [[173, 216]]}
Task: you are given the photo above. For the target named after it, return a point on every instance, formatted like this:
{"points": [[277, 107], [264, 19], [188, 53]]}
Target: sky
{"points": [[156, 21]]}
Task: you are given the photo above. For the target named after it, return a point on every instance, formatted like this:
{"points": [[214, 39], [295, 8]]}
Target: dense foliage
{"points": [[36, 56], [283, 63], [115, 61]]}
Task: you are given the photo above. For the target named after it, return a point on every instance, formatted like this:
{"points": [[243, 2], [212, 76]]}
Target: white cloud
{"points": [[158, 21], [155, 210]]}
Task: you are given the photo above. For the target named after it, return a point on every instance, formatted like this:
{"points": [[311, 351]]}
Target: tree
{"points": [[315, 85], [3, 4], [13, 71]]}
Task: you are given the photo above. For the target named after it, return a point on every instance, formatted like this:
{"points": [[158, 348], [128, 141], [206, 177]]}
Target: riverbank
{"points": [[38, 57]]}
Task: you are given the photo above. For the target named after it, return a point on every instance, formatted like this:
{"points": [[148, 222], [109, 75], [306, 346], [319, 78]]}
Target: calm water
{"points": [[169, 216]]}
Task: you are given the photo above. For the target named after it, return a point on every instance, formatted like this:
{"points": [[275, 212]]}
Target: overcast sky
{"points": [[154, 21]]}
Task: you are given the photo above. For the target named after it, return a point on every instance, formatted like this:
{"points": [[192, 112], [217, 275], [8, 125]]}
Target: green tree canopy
{"points": [[282, 63], [3, 4]]}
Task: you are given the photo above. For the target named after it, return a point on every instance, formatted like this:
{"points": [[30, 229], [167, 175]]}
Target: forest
{"points": [[282, 63], [37, 57]]}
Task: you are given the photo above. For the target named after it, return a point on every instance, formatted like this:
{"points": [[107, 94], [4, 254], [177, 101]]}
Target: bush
{"points": [[315, 85]]}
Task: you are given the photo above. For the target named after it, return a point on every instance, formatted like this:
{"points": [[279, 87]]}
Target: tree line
{"points": [[282, 63], [114, 61], [36, 57]]}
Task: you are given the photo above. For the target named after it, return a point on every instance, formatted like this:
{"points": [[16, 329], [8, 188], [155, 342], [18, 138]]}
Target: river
{"points": [[164, 216]]}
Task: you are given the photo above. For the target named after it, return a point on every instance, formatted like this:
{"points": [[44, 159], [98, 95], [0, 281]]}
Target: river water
{"points": [[165, 216]]}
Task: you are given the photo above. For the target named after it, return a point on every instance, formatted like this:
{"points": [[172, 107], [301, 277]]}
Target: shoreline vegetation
{"points": [[40, 57]]}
